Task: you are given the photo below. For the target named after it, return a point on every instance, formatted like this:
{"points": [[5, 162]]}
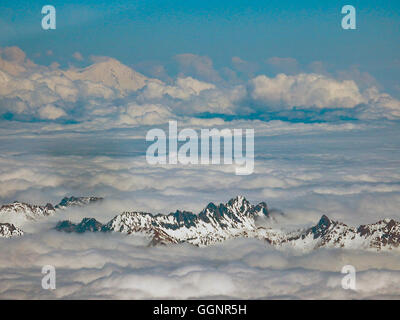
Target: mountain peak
{"points": [[27, 211], [76, 201], [87, 224], [213, 224], [238, 199], [239, 202], [211, 206], [111, 73], [8, 230], [324, 222]]}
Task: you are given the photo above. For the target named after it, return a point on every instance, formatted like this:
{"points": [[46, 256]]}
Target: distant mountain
{"points": [[238, 218], [87, 224], [17, 213], [327, 233], [111, 73], [76, 201], [8, 230], [26, 211], [215, 223]]}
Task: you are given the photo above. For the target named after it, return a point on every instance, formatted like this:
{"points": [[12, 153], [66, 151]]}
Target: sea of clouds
{"points": [[64, 134], [113, 266]]}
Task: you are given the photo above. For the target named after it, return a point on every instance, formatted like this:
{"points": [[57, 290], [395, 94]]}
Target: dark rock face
{"points": [[321, 228], [87, 224], [49, 207], [66, 226], [77, 201], [183, 219]]}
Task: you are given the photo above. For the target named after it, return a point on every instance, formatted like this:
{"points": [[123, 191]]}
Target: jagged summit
{"points": [[33, 212], [18, 213], [238, 201], [8, 230], [77, 201], [87, 224], [237, 218], [216, 223], [213, 224], [26, 211], [321, 227], [324, 221]]}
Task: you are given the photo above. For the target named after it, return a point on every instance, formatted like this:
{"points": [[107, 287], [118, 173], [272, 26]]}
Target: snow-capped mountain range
{"points": [[18, 212], [327, 233], [27, 211], [76, 201], [238, 218]]}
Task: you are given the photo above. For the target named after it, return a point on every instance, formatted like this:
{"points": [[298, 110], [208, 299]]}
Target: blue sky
{"points": [[137, 32]]}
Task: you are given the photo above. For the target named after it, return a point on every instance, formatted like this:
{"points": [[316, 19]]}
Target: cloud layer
{"points": [[118, 267], [105, 89]]}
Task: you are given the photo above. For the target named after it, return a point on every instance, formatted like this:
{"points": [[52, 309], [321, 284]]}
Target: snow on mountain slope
{"points": [[238, 218], [327, 233], [19, 211], [214, 224], [111, 73], [8, 230], [76, 201]]}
